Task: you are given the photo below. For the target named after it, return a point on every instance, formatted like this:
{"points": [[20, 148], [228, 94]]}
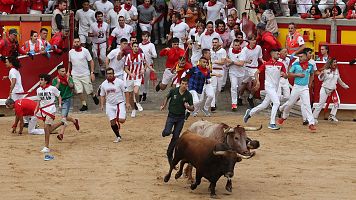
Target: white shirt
{"points": [[119, 33], [114, 93], [117, 65], [85, 19], [14, 73], [79, 62], [217, 56], [114, 17], [180, 30], [239, 71], [100, 34], [103, 7], [330, 79], [253, 55], [286, 62], [48, 96], [133, 12], [150, 52], [232, 35], [273, 74], [196, 50], [206, 40], [213, 12]]}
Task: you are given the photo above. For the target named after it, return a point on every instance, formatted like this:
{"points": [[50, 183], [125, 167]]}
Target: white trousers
{"points": [[226, 73], [236, 82], [283, 89], [322, 99], [145, 27], [101, 48], [146, 82], [301, 92], [217, 83], [271, 96], [32, 126], [198, 99]]}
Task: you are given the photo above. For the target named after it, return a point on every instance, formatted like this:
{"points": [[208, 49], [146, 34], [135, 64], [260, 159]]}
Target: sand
{"points": [[292, 163]]}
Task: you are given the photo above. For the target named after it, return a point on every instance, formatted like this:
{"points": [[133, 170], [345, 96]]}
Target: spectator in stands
{"points": [[20, 7], [323, 4], [314, 12], [5, 6], [336, 13], [267, 41], [58, 15], [45, 46], [57, 42], [10, 46], [113, 15], [37, 6], [104, 6], [84, 17], [303, 6], [294, 42], [351, 14], [33, 45], [327, 13], [284, 7], [268, 19], [350, 4], [324, 54]]}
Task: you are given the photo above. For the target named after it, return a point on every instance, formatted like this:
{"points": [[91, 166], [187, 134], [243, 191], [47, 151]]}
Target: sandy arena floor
{"points": [[292, 163]]}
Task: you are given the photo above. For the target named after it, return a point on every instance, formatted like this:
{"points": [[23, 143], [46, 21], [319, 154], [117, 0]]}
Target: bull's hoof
{"points": [[178, 175], [166, 178], [193, 186]]}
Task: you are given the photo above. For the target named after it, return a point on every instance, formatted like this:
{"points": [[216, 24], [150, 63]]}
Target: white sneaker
{"points": [[332, 118], [117, 140], [64, 121], [133, 114], [45, 150], [139, 107]]}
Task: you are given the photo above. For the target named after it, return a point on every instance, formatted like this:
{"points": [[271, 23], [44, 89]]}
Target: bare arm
{"points": [[164, 104], [102, 100]]}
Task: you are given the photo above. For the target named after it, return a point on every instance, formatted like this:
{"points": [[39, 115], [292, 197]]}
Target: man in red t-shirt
{"points": [[23, 108]]}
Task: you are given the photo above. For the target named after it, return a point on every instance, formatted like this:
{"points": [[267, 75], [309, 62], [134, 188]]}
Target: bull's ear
{"points": [[225, 126]]}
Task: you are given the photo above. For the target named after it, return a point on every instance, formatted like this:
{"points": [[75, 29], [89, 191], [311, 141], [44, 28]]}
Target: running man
{"points": [[112, 91]]}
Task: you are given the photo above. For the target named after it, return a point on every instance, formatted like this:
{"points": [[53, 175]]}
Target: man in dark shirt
{"points": [[180, 100]]}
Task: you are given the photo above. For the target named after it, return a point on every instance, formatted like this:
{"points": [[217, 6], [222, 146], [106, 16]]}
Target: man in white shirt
{"points": [[99, 32], [194, 42], [218, 57], [112, 91], [84, 18], [207, 37], [116, 59], [133, 14], [179, 29], [79, 69], [213, 10], [121, 31], [114, 14], [149, 50], [104, 6]]}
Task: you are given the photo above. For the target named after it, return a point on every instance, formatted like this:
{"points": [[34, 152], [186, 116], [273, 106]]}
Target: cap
{"points": [[13, 31], [261, 26]]}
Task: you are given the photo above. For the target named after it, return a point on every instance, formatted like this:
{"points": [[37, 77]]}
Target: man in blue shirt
{"points": [[302, 71]]}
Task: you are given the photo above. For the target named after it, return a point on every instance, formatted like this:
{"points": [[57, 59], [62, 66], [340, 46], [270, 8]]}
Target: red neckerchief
{"points": [[304, 65], [207, 33], [145, 42], [78, 49], [127, 7], [134, 56], [178, 22], [111, 80], [236, 51], [44, 87], [63, 79], [248, 46], [100, 24], [218, 31], [211, 3], [203, 70], [117, 9], [146, 5]]}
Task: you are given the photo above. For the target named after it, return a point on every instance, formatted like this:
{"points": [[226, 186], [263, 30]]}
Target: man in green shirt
{"points": [[65, 85], [180, 100]]}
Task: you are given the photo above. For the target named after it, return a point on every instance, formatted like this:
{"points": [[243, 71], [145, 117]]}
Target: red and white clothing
{"points": [[20, 7], [283, 89], [330, 78], [236, 73], [38, 6], [85, 19], [133, 13], [180, 30], [115, 98], [30, 46], [47, 107], [117, 65], [104, 7], [272, 70], [135, 63], [293, 42], [121, 32], [27, 107], [252, 55], [114, 15], [217, 82], [206, 39], [43, 43], [17, 91], [214, 11], [100, 31], [173, 55]]}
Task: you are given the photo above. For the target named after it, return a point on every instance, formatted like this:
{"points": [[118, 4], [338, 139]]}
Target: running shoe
{"points": [[305, 122], [83, 108], [247, 115], [133, 113], [280, 120], [158, 88], [117, 140], [206, 113], [48, 157], [45, 150], [234, 107], [76, 124], [139, 107], [96, 100], [332, 118], [273, 127]]}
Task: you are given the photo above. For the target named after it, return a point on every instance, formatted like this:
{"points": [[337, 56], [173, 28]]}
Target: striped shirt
{"points": [[135, 65]]}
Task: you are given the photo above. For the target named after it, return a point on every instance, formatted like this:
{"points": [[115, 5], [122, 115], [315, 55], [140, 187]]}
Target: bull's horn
{"points": [[229, 130], [219, 153], [246, 157], [249, 128]]}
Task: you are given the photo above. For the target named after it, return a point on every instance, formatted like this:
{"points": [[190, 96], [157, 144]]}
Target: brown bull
{"points": [[235, 138], [211, 158]]}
